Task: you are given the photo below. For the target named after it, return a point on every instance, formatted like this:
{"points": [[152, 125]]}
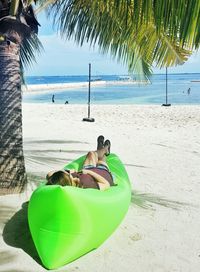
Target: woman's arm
{"points": [[72, 171], [103, 183]]}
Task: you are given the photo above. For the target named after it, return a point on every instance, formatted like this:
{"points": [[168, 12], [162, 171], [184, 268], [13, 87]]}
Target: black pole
{"points": [[166, 91], [166, 85], [89, 86], [88, 119]]}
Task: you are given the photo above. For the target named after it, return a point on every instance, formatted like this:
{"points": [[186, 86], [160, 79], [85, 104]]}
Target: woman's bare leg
{"points": [[91, 159], [94, 158], [103, 152]]}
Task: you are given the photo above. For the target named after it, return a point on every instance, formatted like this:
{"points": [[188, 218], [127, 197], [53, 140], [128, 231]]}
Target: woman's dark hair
{"points": [[59, 178]]}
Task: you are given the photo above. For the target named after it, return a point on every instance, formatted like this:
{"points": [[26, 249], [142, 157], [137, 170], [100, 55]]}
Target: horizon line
{"points": [[108, 74]]}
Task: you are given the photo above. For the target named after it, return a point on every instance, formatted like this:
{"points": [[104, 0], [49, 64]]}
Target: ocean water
{"points": [[114, 93]]}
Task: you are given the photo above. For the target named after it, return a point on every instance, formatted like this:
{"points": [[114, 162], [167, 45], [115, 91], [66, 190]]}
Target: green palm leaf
{"points": [[29, 48], [136, 33], [111, 25]]}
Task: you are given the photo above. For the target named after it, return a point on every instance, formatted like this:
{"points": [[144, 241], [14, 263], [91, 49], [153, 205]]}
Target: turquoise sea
{"points": [[115, 93]]}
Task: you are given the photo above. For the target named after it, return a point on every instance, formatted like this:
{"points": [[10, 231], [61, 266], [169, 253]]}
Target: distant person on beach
{"points": [[66, 102], [52, 99], [188, 91], [94, 174]]}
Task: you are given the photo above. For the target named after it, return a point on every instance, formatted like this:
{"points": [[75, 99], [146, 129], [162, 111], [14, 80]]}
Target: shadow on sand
{"points": [[146, 201], [16, 233]]}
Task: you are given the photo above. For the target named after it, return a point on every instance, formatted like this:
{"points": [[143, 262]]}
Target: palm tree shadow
{"points": [[16, 233], [148, 200]]}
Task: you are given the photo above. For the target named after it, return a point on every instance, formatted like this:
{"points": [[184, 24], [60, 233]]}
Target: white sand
{"points": [[160, 148]]}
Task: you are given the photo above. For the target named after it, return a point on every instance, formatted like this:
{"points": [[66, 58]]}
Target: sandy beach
{"points": [[160, 147]]}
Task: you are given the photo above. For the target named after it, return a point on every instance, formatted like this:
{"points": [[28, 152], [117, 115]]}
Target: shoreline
{"points": [[75, 85]]}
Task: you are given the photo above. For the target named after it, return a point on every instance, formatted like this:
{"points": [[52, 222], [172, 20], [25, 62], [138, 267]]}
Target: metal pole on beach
{"points": [[88, 119], [89, 88], [166, 92]]}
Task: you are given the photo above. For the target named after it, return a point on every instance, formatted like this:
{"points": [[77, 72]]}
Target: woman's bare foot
{"points": [[107, 144], [100, 142]]}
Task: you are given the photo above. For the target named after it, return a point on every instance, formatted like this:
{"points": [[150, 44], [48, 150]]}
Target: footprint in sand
{"points": [[135, 237]]}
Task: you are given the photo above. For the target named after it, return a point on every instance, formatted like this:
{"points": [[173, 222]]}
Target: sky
{"points": [[62, 57]]}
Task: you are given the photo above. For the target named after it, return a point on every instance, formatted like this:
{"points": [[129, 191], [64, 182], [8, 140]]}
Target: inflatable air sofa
{"points": [[68, 222]]}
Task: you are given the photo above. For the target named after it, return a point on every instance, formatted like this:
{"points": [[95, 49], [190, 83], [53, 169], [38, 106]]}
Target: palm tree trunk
{"points": [[12, 169]]}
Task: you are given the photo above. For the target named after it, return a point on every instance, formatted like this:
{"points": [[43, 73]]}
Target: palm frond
{"points": [[29, 48], [179, 19], [137, 33], [159, 48], [97, 26], [110, 25]]}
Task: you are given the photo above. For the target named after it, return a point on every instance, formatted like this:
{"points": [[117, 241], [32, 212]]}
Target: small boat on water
{"points": [[95, 78], [126, 78]]}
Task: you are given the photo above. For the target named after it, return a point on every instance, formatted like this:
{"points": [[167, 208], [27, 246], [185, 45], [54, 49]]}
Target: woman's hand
{"points": [[72, 171], [84, 171]]}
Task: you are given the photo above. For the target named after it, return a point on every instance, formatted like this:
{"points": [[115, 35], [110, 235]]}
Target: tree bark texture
{"points": [[12, 168]]}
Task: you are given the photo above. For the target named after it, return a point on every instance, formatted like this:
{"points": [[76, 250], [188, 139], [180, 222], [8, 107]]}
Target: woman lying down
{"points": [[94, 174]]}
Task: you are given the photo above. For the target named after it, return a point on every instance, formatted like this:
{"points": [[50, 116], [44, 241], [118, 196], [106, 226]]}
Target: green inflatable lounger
{"points": [[68, 222]]}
